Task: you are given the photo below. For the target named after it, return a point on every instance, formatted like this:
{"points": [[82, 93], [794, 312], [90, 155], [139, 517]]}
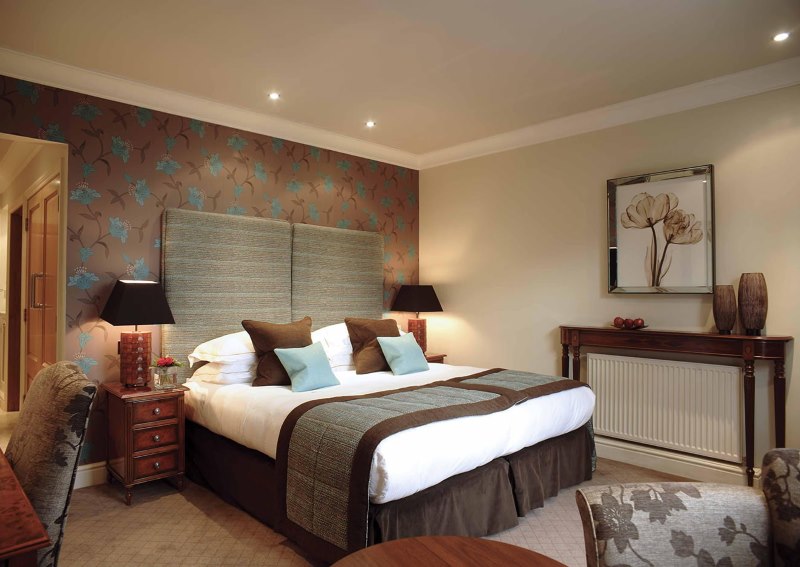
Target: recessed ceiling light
{"points": [[783, 36], [370, 123], [274, 95]]}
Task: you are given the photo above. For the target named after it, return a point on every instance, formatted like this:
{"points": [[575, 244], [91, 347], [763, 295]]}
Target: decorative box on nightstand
{"points": [[145, 435], [435, 357]]}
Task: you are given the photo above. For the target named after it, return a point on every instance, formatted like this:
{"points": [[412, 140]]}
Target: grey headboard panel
{"points": [[219, 269], [336, 273]]}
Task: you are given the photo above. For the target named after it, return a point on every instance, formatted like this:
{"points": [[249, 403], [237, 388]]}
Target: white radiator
{"points": [[688, 407]]}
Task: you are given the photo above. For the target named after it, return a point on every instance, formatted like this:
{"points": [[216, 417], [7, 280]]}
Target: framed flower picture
{"points": [[660, 232]]}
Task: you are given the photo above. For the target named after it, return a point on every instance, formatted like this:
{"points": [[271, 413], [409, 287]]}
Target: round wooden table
{"points": [[445, 551]]}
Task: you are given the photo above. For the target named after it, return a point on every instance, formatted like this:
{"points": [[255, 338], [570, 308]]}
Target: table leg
{"points": [[749, 423], [779, 386], [565, 360], [576, 362]]}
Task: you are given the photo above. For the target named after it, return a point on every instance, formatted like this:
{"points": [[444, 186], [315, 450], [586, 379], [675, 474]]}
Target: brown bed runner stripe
{"points": [[529, 383], [326, 447]]}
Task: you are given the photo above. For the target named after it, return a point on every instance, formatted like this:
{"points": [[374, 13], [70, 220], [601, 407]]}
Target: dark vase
{"points": [[753, 302], [724, 308]]}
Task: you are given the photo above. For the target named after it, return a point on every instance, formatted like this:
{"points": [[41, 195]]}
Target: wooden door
{"points": [[41, 278]]}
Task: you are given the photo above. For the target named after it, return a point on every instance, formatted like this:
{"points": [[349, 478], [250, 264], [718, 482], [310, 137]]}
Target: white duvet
{"points": [[406, 462]]}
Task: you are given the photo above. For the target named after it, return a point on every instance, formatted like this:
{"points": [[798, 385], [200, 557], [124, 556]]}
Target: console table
{"points": [[746, 348]]}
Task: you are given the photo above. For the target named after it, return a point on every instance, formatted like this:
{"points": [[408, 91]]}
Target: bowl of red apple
{"points": [[623, 323]]}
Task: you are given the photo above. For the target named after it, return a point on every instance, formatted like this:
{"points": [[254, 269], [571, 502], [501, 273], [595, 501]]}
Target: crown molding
{"points": [[753, 81], [63, 76]]}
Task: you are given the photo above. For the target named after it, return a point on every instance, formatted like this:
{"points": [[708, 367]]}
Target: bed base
{"points": [[480, 502]]}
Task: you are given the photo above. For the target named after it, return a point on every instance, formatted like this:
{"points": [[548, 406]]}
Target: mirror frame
{"points": [[655, 184]]}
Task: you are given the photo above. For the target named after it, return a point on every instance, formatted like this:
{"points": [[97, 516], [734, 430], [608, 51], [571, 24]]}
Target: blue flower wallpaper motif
{"points": [[127, 164]]}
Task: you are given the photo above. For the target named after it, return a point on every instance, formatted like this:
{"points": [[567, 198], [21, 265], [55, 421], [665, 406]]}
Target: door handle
{"points": [[35, 304]]}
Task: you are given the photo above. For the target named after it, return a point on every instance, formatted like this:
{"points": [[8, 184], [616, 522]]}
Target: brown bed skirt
{"points": [[480, 502]]}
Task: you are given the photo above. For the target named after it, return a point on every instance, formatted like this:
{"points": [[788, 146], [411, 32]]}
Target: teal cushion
{"points": [[308, 367], [403, 354]]}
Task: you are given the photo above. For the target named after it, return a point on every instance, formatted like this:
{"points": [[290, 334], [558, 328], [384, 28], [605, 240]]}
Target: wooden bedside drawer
{"points": [[145, 412], [152, 465], [153, 437], [145, 435]]}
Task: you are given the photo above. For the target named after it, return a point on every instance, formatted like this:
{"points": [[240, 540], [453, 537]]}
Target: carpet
{"points": [[164, 527]]}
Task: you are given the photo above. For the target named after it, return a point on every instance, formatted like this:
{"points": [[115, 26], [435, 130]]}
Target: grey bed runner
{"points": [[326, 447]]}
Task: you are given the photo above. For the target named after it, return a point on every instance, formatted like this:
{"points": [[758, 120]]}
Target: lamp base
{"points": [[134, 358], [418, 328]]}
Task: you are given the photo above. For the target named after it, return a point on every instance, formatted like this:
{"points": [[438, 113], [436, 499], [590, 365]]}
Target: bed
{"points": [[433, 479]]}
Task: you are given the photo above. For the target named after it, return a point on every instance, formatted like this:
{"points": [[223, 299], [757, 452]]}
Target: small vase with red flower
{"points": [[165, 373]]}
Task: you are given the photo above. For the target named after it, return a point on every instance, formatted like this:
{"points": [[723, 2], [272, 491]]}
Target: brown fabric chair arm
{"points": [[674, 524]]}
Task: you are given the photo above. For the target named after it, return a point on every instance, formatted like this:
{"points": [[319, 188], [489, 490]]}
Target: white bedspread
{"points": [[406, 462]]}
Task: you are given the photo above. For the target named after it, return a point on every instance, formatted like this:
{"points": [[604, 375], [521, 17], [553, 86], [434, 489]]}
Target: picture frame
{"points": [[661, 232]]}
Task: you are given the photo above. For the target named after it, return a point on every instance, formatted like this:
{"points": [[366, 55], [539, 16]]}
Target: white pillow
{"points": [[235, 347], [336, 341], [217, 373], [239, 363]]}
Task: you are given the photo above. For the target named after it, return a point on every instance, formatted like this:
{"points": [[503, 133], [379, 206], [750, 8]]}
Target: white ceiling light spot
{"points": [[370, 124], [783, 36], [274, 95]]}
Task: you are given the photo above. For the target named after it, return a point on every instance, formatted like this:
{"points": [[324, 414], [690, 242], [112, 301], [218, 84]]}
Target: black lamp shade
{"points": [[416, 298], [135, 302]]}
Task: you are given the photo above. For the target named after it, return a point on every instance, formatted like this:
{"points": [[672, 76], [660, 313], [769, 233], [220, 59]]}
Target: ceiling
{"points": [[432, 73]]}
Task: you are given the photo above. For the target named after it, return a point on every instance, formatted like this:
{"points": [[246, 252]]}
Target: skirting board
{"points": [[91, 474], [678, 464]]}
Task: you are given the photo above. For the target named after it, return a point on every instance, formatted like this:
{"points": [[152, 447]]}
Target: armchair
{"points": [[695, 523], [46, 443]]}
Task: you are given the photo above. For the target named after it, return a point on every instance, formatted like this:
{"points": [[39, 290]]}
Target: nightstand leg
{"points": [[109, 477], [128, 496]]}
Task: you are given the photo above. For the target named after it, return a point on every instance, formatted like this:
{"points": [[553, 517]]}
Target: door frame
{"points": [[16, 245], [47, 175]]}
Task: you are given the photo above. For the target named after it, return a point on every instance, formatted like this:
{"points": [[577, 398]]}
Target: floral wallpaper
{"points": [[127, 164]]}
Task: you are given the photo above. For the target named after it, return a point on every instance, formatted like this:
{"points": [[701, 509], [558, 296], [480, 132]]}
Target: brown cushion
{"points": [[367, 353], [266, 338]]}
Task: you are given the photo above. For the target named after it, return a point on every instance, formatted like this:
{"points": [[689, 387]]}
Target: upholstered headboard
{"points": [[219, 269], [336, 273]]}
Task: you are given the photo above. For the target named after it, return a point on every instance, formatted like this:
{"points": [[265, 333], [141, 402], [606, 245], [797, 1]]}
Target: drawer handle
{"points": [[156, 465], [157, 411], [156, 438]]}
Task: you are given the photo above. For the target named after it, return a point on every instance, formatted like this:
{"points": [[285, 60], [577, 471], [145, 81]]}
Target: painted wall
{"points": [[515, 243], [127, 164]]}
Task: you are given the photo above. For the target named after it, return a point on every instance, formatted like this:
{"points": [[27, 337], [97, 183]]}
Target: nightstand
{"points": [[145, 435], [435, 357]]}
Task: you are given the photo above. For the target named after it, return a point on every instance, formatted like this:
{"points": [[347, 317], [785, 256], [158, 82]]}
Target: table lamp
{"points": [[136, 302], [417, 298]]}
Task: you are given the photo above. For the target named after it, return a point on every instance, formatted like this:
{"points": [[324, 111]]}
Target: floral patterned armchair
{"points": [[695, 523], [45, 446]]}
